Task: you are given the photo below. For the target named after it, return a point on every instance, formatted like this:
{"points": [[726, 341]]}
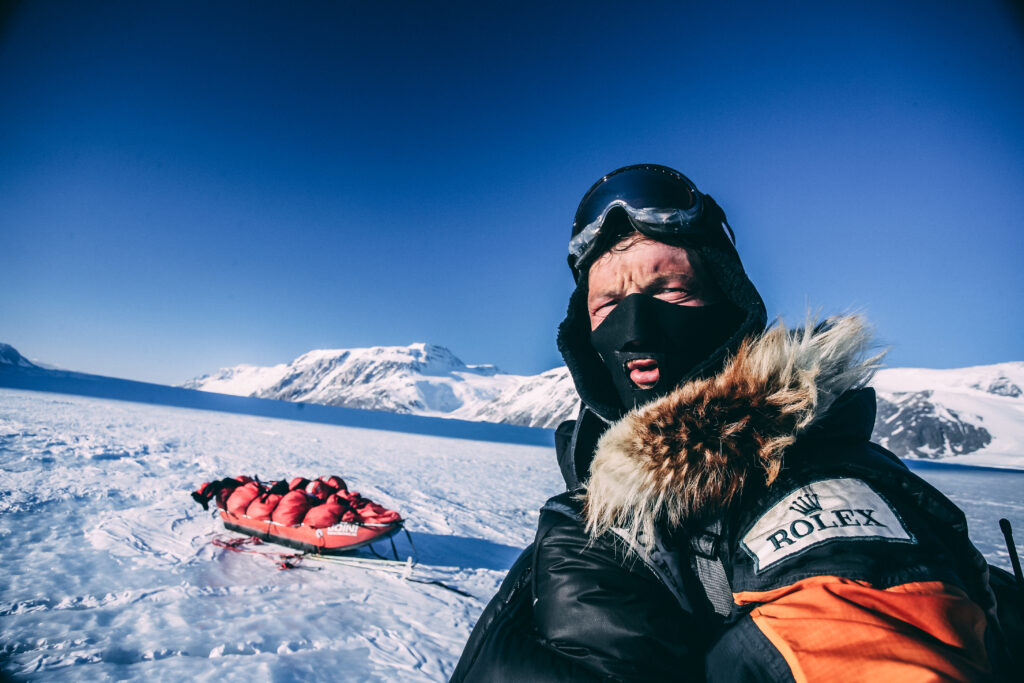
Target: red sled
{"points": [[332, 540], [320, 516]]}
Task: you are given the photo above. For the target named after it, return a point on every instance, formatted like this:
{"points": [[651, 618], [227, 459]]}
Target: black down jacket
{"points": [[572, 609], [836, 561]]}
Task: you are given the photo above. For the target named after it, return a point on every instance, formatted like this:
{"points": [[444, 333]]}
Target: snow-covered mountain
{"points": [[975, 413], [10, 356], [938, 413], [921, 413], [422, 379], [542, 400]]}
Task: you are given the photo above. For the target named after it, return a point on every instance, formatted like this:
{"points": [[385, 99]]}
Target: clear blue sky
{"points": [[191, 185]]}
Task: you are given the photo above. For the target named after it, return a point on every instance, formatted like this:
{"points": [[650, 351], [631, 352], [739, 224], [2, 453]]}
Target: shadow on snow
{"points": [[458, 551]]}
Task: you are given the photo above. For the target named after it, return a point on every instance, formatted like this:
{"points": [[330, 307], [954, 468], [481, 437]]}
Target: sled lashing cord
{"points": [[282, 560]]}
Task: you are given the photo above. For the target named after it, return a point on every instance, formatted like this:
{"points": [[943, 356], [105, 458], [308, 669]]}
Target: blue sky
{"points": [[189, 185]]}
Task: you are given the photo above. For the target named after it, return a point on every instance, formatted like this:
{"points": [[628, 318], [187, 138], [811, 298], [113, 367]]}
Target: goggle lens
{"points": [[642, 187], [659, 202]]}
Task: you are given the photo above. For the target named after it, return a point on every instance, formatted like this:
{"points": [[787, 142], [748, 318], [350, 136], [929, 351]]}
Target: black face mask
{"points": [[678, 338]]}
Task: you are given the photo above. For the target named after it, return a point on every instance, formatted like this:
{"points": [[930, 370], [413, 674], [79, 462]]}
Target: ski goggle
{"points": [[657, 201]]}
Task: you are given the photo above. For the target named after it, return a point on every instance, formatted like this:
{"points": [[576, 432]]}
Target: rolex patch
{"points": [[825, 511]]}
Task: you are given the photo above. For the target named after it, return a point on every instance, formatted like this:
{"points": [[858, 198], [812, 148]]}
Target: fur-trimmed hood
{"points": [[688, 454]]}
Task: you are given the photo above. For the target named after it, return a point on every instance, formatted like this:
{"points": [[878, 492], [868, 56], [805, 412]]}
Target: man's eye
{"points": [[676, 295], [603, 309]]}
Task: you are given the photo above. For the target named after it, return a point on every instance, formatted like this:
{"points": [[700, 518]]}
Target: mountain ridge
{"points": [[975, 414], [10, 356], [922, 413]]}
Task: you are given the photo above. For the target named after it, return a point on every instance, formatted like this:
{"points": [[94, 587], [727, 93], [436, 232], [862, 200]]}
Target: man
{"points": [[726, 516]]}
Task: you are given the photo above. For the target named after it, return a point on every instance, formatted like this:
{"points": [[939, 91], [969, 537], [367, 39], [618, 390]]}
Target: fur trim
{"points": [[689, 453]]}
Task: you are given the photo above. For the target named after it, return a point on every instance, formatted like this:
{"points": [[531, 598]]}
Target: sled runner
{"points": [[318, 516]]}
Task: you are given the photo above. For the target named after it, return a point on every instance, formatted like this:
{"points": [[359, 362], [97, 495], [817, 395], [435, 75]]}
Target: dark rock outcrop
{"points": [[909, 424]]}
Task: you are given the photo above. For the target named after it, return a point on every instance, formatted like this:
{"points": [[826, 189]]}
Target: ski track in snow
{"points": [[108, 573]]}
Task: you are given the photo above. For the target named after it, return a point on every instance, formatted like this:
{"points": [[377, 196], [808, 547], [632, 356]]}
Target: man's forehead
{"points": [[646, 259]]}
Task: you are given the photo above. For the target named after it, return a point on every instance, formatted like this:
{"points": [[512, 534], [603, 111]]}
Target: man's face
{"points": [[646, 267]]}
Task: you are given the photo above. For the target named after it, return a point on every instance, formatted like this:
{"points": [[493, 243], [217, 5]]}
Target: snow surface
{"points": [[109, 574]]}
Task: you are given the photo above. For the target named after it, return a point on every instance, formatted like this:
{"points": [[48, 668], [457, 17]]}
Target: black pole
{"points": [[1004, 525]]}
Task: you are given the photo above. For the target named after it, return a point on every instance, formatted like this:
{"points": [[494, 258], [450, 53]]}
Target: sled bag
{"points": [[242, 496], [292, 508], [261, 508]]}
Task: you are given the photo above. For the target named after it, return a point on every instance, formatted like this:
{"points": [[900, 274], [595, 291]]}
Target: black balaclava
{"points": [[678, 338]]}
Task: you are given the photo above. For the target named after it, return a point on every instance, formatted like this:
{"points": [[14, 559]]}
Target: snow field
{"points": [[107, 571]]}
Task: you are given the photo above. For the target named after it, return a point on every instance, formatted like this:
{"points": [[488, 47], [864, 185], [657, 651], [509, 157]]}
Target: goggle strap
{"points": [[726, 228], [732, 235]]}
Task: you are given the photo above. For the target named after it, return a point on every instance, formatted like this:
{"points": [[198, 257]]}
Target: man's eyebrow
{"points": [[686, 278]]}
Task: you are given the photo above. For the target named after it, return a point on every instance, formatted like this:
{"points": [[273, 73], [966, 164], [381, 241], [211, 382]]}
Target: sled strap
{"points": [[1011, 547], [394, 550], [707, 564], [412, 545]]}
